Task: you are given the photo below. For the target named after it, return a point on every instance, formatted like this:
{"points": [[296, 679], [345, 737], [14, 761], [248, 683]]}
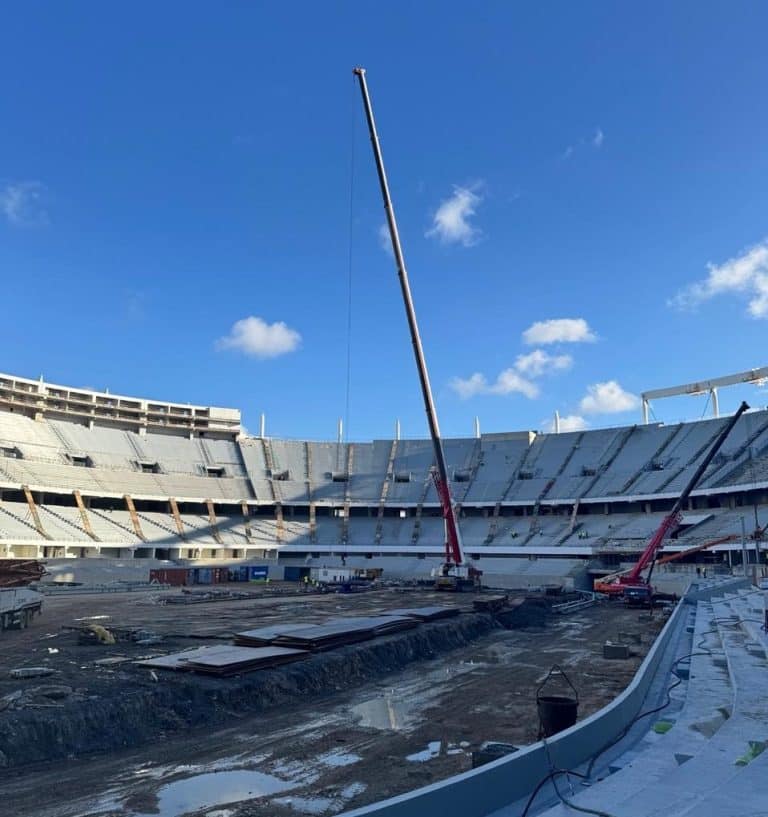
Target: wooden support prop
{"points": [[35, 515], [177, 516], [312, 522], [212, 520], [246, 520], [134, 517], [279, 519], [84, 516]]}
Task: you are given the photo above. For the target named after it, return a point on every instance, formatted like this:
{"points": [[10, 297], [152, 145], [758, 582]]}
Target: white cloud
{"points": [[571, 422], [20, 203], [598, 138], [508, 382], [385, 240], [607, 398], [539, 362], [255, 337], [517, 379], [746, 273], [559, 330], [451, 222]]}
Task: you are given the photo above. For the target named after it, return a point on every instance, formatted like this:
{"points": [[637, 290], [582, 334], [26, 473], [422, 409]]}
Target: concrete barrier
{"points": [[500, 783]]}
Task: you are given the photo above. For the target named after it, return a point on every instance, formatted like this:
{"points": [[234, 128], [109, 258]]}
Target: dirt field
{"points": [[348, 742]]}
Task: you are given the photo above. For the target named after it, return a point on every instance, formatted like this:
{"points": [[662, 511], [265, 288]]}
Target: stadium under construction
{"points": [[299, 684]]}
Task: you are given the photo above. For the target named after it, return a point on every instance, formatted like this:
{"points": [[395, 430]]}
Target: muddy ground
{"points": [[352, 739]]}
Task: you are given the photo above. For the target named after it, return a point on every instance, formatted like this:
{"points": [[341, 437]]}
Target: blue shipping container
{"points": [[257, 573], [242, 573], [292, 573], [203, 575]]}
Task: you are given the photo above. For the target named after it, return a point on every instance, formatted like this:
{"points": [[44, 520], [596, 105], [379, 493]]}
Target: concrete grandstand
{"points": [[89, 474]]}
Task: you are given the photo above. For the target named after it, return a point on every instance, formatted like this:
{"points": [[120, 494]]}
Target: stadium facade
{"points": [[92, 474]]}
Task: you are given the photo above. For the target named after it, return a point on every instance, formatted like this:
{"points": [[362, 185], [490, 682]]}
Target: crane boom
{"points": [[453, 549], [632, 580], [672, 520]]}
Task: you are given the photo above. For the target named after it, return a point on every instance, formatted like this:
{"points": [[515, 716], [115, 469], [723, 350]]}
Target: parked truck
{"points": [[18, 606], [18, 602]]}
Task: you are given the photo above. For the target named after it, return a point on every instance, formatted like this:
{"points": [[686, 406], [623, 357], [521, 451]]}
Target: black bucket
{"points": [[556, 712]]}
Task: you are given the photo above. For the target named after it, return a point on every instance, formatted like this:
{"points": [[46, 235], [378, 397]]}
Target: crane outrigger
{"points": [[453, 573]]}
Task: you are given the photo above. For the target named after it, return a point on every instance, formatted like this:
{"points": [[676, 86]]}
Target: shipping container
{"points": [[257, 573], [331, 575], [202, 575], [295, 574], [175, 576]]}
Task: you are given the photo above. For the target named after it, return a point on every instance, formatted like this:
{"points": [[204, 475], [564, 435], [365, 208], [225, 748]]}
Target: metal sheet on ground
{"points": [[334, 633], [263, 636], [225, 659], [427, 613]]}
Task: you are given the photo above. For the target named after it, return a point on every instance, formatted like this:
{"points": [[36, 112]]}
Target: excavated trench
{"points": [[130, 708]]}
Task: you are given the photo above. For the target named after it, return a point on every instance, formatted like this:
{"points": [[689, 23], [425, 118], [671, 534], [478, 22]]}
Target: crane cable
{"points": [[353, 132]]}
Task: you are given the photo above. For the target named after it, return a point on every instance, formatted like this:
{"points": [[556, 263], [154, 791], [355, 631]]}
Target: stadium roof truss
{"points": [[755, 376]]}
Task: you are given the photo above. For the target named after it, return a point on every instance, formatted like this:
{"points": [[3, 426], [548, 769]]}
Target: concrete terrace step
{"points": [[697, 710], [691, 769], [716, 765]]}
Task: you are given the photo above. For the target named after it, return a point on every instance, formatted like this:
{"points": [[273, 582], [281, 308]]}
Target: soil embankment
{"points": [[130, 705]]}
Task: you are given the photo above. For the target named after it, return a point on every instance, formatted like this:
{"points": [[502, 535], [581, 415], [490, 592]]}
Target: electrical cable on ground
{"points": [[556, 772]]}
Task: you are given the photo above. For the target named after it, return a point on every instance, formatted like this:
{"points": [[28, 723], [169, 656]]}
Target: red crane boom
{"points": [[453, 572], [633, 580]]}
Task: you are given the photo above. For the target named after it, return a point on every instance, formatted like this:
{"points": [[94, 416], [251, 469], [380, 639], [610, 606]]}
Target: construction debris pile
{"points": [[20, 572]]}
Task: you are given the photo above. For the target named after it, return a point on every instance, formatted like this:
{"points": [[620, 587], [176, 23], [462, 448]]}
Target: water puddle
{"points": [[320, 805], [151, 771], [386, 712], [215, 789], [432, 750], [307, 805], [337, 759]]}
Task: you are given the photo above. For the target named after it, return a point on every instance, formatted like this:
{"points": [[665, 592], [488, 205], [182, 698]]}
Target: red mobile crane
{"points": [[453, 573], [631, 585]]}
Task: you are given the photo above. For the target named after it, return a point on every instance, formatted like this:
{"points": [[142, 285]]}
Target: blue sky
{"points": [[175, 206]]}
